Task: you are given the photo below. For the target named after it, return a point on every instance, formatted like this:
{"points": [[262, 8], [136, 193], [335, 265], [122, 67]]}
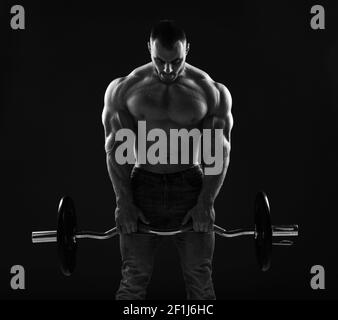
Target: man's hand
{"points": [[203, 217], [126, 216]]}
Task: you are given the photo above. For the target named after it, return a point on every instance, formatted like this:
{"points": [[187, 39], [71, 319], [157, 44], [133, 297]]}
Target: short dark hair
{"points": [[168, 33]]}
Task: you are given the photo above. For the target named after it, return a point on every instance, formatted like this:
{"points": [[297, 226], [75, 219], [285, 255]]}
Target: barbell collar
{"points": [[44, 236], [283, 243], [285, 230]]}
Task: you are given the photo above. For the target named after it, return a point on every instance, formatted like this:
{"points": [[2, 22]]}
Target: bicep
{"points": [[220, 116], [223, 112], [227, 123], [110, 127], [117, 120], [111, 106], [115, 116]]}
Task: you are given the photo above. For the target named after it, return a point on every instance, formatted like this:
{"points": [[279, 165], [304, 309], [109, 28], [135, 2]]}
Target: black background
{"points": [[283, 79]]}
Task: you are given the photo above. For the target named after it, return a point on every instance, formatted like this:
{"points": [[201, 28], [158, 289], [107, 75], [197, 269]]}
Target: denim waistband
{"points": [[169, 176]]}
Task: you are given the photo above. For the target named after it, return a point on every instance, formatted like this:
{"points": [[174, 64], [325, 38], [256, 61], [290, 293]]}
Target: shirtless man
{"points": [[167, 93]]}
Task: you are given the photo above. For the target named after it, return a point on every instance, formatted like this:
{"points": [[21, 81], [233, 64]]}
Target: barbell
{"points": [[67, 235]]}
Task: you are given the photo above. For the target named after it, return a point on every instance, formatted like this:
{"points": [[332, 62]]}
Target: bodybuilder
{"points": [[167, 93]]}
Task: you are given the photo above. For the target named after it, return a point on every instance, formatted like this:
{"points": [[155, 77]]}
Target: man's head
{"points": [[168, 48]]}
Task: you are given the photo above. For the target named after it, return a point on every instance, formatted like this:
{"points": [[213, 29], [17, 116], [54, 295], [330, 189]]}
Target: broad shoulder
{"points": [[116, 91], [118, 88], [196, 73], [218, 94]]}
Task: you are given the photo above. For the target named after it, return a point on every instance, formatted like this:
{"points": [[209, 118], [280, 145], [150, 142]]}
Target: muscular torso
{"points": [[182, 104]]}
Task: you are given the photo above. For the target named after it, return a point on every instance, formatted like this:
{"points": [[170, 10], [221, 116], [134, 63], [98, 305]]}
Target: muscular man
{"points": [[167, 93]]}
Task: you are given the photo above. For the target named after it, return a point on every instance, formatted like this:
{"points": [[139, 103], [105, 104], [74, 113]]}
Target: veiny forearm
{"points": [[120, 178], [213, 183]]}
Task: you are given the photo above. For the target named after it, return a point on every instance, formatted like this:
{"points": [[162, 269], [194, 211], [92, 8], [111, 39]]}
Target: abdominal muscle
{"points": [[183, 156], [171, 167]]}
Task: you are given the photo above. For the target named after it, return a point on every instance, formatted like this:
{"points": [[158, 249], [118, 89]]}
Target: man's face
{"points": [[168, 63]]}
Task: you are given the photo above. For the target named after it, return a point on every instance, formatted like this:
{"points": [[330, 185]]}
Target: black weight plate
{"points": [[66, 230], [263, 231]]}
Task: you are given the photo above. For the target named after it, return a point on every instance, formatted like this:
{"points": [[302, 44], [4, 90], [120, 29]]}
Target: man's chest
{"points": [[182, 104]]}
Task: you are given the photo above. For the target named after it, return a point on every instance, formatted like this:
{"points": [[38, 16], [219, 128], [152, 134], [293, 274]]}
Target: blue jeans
{"points": [[165, 199]]}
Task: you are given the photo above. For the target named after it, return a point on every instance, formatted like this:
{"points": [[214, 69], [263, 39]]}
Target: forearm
{"points": [[120, 178], [213, 183]]}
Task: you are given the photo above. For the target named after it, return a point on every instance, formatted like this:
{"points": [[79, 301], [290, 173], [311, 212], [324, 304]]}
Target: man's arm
{"points": [[115, 116], [220, 117]]}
